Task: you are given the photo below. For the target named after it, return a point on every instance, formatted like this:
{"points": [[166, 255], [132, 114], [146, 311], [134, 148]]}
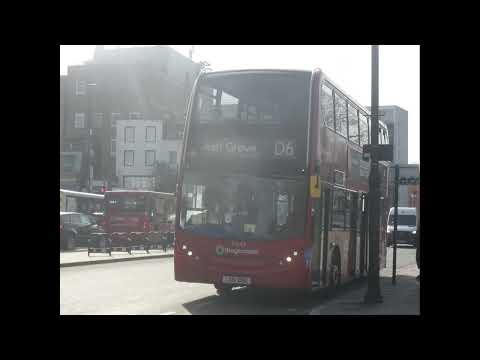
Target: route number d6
{"points": [[284, 148]]}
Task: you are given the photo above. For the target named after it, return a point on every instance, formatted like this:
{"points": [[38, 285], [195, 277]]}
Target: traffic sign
{"points": [[411, 180]]}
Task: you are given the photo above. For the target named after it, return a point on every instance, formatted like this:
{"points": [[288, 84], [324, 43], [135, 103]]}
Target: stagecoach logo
{"points": [[220, 250]]}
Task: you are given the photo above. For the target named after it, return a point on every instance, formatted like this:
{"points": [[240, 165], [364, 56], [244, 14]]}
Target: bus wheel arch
{"points": [[223, 290]]}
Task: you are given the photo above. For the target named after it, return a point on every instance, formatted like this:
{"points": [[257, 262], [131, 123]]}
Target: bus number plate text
{"points": [[241, 280]]}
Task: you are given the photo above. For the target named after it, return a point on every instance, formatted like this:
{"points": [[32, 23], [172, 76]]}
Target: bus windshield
{"points": [[409, 220], [131, 203], [243, 207], [250, 122]]}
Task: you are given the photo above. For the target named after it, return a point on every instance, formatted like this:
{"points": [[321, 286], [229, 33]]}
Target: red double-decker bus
{"points": [[272, 183]]}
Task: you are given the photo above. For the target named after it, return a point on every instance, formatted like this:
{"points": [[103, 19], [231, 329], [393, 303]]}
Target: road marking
{"points": [[168, 313]]}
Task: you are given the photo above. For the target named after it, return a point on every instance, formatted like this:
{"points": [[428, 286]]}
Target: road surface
{"points": [[147, 287]]}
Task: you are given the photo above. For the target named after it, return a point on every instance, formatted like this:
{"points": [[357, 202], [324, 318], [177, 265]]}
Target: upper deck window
{"points": [[326, 104], [353, 124], [267, 99], [247, 120], [340, 114]]}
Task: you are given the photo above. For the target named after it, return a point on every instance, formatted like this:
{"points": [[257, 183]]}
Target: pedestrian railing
{"points": [[126, 242]]}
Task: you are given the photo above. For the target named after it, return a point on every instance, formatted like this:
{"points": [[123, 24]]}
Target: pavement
{"points": [[400, 299], [80, 256], [148, 287]]}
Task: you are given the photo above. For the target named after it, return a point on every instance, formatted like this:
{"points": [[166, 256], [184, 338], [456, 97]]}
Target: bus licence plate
{"points": [[243, 280]]}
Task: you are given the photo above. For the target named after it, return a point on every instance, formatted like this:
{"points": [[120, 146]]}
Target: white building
{"points": [[396, 120], [141, 143]]}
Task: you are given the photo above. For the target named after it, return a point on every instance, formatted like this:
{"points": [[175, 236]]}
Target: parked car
{"points": [[97, 217], [75, 229], [406, 226]]}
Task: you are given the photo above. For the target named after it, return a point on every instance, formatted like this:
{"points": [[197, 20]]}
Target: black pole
{"points": [[373, 291], [90, 126], [395, 222]]}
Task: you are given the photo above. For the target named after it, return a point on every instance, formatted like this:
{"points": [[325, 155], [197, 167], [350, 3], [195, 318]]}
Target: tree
{"points": [[205, 66]]}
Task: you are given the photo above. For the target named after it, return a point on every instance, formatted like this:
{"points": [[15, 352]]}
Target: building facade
{"points": [[396, 120], [141, 146], [407, 194], [62, 109], [122, 84]]}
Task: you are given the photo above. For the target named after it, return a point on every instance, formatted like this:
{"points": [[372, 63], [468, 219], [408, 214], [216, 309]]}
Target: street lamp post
{"points": [[373, 291], [90, 88]]}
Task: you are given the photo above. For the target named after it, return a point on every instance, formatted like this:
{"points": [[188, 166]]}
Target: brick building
{"points": [[120, 84]]}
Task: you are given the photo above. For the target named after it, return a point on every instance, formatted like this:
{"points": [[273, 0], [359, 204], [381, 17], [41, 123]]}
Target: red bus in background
{"points": [[272, 187], [139, 211]]}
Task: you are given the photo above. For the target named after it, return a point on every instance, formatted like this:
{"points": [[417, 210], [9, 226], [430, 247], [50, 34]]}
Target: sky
{"points": [[348, 66]]}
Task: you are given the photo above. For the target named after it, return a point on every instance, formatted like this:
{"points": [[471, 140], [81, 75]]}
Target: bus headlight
{"points": [[414, 232], [288, 258], [295, 253], [190, 253], [184, 247]]}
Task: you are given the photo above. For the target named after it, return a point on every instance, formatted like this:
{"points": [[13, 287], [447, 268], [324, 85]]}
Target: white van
{"points": [[406, 226]]}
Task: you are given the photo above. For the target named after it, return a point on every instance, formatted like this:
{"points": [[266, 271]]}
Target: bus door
{"points": [[354, 235], [326, 198], [363, 234]]}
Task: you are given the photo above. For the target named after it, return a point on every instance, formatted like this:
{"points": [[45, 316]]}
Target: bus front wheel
{"points": [[223, 290]]}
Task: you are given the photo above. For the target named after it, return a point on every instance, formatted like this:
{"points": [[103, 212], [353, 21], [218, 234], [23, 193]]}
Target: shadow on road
{"points": [[250, 301]]}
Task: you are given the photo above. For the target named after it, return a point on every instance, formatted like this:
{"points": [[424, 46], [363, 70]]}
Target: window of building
{"points": [[149, 157], [79, 121], [98, 121], [129, 134], [74, 147], [113, 147], [326, 103], [68, 163], [353, 124], [363, 129], [134, 116], [390, 133], [128, 158], [340, 115], [180, 128], [385, 135], [151, 134], [80, 87], [115, 118], [172, 157]]}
